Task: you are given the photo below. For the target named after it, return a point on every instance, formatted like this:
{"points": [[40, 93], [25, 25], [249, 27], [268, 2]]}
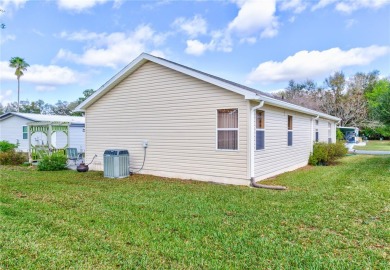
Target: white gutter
{"points": [[252, 137]]}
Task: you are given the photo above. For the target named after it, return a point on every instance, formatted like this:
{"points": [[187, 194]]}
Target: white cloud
{"points": [[249, 40], [220, 41], [5, 97], [117, 4], [82, 35], [255, 16], [254, 19], [37, 32], [351, 5], [296, 5], [195, 47], [9, 4], [192, 27], [322, 4], [155, 4], [45, 88], [45, 75], [349, 23], [348, 6], [308, 64], [111, 50], [78, 5], [6, 38], [271, 30]]}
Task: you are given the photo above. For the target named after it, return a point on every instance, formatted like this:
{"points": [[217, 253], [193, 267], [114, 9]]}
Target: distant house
{"points": [[14, 127], [199, 126], [350, 133]]}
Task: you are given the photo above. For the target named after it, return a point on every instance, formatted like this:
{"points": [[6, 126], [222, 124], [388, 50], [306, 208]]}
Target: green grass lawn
{"points": [[333, 217], [375, 146]]}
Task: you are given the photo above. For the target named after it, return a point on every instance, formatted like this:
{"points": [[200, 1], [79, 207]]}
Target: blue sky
{"points": [[76, 45]]}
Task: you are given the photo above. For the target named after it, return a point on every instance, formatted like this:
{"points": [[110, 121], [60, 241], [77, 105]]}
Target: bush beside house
{"points": [[53, 162], [9, 155], [324, 154]]}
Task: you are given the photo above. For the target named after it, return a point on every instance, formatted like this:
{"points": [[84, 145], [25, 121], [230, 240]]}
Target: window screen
{"points": [[227, 129]]}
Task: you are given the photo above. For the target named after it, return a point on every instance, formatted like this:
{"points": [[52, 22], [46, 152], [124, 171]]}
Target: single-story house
{"points": [[16, 127], [199, 126]]}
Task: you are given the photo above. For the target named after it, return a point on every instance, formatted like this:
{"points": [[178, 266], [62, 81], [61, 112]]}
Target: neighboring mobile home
{"points": [[199, 126], [14, 129]]}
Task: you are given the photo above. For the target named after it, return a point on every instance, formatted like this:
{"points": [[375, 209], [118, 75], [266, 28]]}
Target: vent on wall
{"points": [[116, 163]]}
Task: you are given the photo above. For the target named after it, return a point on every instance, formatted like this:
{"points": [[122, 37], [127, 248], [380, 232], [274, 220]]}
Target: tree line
{"points": [[40, 107], [362, 100]]}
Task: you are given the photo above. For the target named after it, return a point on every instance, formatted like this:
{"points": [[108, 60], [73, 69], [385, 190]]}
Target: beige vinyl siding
{"points": [[177, 115], [323, 130], [277, 156]]}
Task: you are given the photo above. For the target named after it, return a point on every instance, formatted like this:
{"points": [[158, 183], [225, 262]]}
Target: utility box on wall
{"points": [[116, 163]]}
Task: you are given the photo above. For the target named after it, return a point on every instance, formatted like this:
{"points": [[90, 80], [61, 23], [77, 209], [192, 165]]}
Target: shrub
{"points": [[324, 153], [339, 135], [340, 150], [6, 146], [11, 157], [53, 162]]}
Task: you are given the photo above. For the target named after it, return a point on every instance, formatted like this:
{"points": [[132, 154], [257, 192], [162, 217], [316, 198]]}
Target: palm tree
{"points": [[20, 65]]}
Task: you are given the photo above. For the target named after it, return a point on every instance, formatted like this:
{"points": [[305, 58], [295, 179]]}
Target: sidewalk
{"points": [[364, 152]]}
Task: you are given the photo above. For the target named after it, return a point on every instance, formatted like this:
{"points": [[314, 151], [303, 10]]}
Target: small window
{"points": [[227, 129], [290, 130], [290, 122], [317, 135], [329, 132], [260, 130], [25, 133]]}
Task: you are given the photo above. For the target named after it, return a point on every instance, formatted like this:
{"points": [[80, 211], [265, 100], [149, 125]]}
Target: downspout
{"points": [[252, 146]]}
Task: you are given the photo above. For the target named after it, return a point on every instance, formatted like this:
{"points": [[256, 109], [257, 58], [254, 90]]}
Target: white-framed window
{"points": [[260, 132], [227, 129], [317, 135], [289, 130], [25, 132], [329, 132]]}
